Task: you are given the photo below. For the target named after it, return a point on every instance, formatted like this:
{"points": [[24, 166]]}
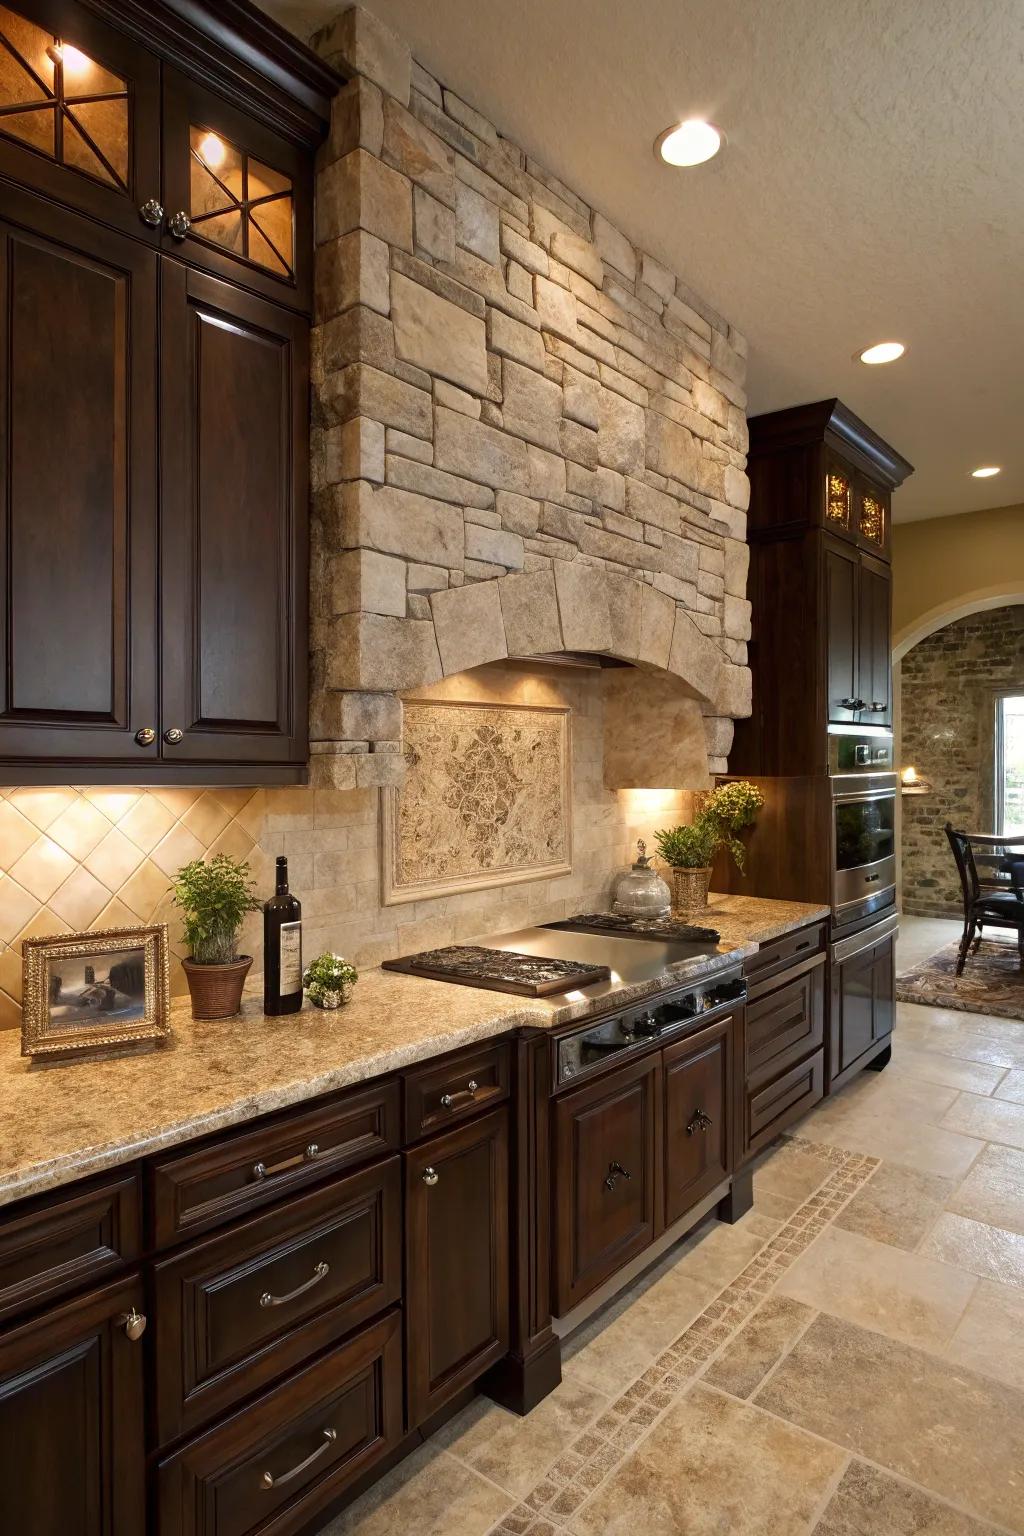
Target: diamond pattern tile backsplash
{"points": [[103, 858]]}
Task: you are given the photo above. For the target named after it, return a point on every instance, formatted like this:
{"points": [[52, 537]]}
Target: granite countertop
{"points": [[64, 1121]]}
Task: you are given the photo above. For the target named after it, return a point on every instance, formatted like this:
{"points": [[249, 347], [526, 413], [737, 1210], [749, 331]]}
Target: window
{"points": [[1010, 765]]}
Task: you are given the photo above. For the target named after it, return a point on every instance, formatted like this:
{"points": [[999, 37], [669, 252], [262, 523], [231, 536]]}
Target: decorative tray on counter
{"points": [[667, 927], [499, 970]]}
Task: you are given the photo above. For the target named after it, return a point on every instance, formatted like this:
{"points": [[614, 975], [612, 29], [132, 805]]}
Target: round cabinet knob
{"points": [[152, 212], [134, 1324], [146, 736], [179, 224], [430, 1177], [173, 735]]}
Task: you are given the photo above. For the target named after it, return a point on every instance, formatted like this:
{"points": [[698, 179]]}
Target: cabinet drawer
{"points": [[238, 1309], [444, 1092], [782, 953], [785, 1025], [195, 1191], [783, 1100], [59, 1242], [271, 1467]]}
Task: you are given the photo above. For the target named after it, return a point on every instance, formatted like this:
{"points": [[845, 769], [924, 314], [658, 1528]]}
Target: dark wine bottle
{"points": [[282, 947]]}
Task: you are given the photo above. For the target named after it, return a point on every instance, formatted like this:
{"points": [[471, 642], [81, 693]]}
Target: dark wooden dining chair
{"points": [[1000, 902]]}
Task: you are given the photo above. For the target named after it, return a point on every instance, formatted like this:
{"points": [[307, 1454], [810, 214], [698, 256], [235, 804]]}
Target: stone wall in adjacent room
{"points": [[529, 435], [949, 683]]}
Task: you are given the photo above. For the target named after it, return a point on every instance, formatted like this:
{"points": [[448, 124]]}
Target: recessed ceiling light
{"points": [[883, 352], [689, 143], [986, 471]]}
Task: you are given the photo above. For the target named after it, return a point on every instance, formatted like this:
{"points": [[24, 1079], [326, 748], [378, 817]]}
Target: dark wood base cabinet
{"points": [[863, 1005], [784, 1036]]}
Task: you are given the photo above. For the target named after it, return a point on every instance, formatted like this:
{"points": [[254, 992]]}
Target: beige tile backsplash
{"points": [[77, 858]]}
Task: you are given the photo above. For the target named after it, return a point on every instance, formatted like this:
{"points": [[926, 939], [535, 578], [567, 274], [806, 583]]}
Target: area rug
{"points": [[992, 982]]}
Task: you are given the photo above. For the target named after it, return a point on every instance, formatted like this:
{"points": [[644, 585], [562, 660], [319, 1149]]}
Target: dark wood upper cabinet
{"points": [[238, 198], [456, 1260], [234, 387], [819, 526], [80, 120], [153, 398], [72, 1457], [79, 488]]}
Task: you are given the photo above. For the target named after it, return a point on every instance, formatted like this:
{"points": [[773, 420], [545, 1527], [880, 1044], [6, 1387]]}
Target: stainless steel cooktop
{"points": [[631, 961]]}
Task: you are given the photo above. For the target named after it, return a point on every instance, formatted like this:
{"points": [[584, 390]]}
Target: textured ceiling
{"points": [[872, 186]]}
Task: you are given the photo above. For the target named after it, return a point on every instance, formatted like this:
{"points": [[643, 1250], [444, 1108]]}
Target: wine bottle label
{"points": [[291, 958]]}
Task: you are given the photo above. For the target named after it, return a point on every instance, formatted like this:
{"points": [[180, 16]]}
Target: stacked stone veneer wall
{"points": [[529, 435], [949, 683]]}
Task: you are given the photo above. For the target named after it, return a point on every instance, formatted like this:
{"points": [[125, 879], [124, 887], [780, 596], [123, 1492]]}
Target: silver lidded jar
{"points": [[640, 891]]}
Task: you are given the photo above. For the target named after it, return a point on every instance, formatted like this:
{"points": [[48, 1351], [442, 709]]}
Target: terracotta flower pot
{"points": [[690, 889], [216, 990]]}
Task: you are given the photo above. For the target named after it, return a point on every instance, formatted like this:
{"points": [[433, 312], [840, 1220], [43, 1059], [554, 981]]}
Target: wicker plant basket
{"points": [[690, 889], [216, 990]]}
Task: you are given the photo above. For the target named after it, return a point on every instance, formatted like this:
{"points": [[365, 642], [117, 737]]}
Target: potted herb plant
{"points": [[213, 899], [690, 850], [328, 981]]}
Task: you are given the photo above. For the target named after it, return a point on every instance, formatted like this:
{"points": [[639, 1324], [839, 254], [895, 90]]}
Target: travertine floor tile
{"points": [[430, 1493], [871, 1503], [515, 1452], [993, 1190], [991, 1119], [711, 1466], [978, 1247], [900, 1138], [917, 1061], [760, 1344], [897, 1205], [969, 1045], [718, 1255], [901, 1294], [1012, 1085], [948, 1428], [617, 1345], [990, 1337], [788, 1173]]}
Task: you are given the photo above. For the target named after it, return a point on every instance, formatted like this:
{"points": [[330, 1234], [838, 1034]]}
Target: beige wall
{"points": [[945, 567]]}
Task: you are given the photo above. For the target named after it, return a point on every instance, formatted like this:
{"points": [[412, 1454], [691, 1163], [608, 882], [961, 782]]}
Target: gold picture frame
{"points": [[96, 991]]}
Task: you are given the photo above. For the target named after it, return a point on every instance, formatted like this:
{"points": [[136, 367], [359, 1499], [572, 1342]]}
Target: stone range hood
{"points": [[529, 438]]}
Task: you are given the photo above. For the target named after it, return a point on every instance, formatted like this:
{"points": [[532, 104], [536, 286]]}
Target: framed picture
{"points": [[487, 799], [94, 991]]}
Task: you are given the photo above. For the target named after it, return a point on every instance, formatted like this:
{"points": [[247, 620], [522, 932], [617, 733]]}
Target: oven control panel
{"points": [[670, 1013]]}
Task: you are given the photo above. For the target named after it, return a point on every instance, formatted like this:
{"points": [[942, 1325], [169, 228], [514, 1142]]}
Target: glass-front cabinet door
{"points": [[238, 199], [79, 113]]}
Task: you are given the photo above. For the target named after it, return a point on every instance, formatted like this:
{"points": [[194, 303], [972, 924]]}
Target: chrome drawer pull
{"points": [[268, 1480], [430, 1177], [262, 1170], [133, 1323], [614, 1171], [321, 1272], [700, 1122], [451, 1100]]}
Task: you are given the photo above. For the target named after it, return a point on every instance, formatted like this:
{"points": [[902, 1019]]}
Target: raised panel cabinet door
{"points": [[72, 1457], [239, 198], [698, 1078], [840, 578], [80, 113], [234, 518], [883, 988], [607, 1157], [77, 490], [456, 1260], [874, 646]]}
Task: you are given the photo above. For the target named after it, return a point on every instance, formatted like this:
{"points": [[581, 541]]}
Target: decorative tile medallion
{"points": [[486, 800]]}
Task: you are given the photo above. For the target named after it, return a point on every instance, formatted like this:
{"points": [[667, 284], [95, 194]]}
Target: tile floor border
{"points": [[599, 1449]]}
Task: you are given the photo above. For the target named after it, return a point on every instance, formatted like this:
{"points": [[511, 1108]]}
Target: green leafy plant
{"points": [[688, 847], [726, 811], [733, 807], [328, 974], [213, 899]]}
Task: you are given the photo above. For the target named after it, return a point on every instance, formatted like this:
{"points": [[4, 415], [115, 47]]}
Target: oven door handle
{"points": [[863, 795], [846, 949]]}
